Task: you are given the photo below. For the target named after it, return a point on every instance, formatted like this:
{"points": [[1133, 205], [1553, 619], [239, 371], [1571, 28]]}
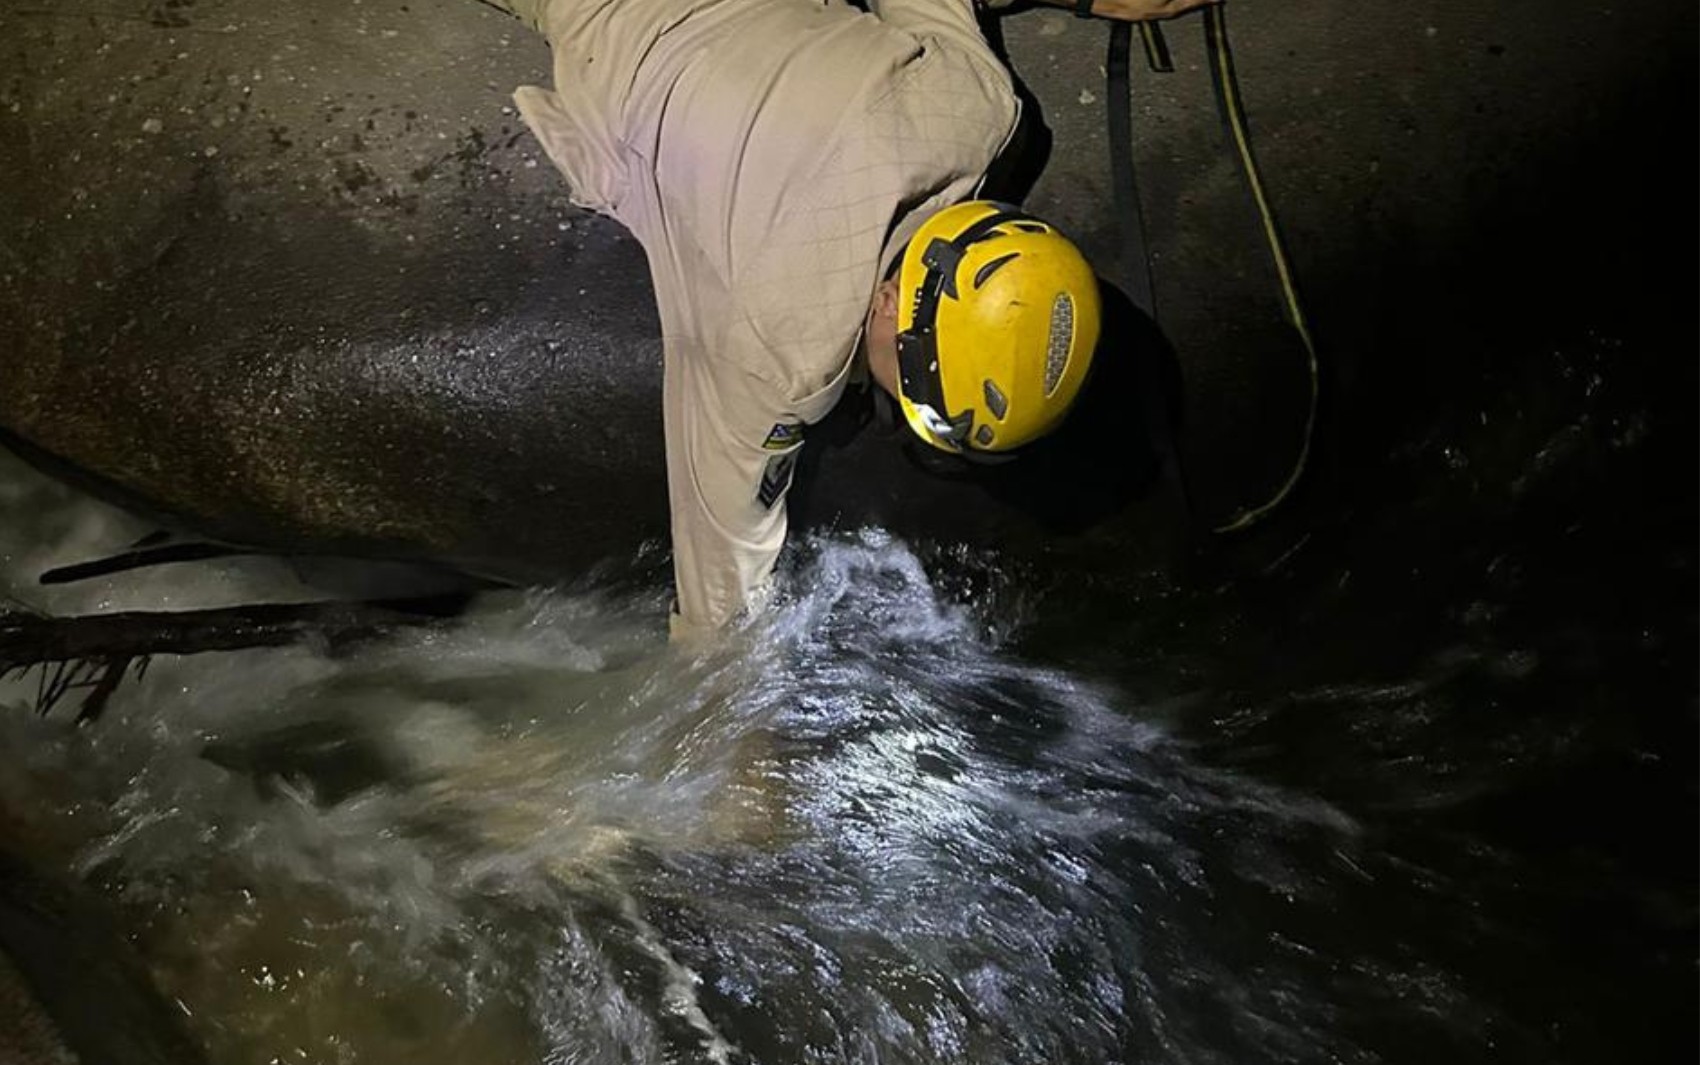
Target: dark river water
{"points": [[1419, 786]]}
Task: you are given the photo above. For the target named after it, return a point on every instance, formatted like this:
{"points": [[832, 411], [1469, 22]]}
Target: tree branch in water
{"points": [[92, 652]]}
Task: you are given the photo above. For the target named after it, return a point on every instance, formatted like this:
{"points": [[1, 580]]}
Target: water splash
{"points": [[860, 828]]}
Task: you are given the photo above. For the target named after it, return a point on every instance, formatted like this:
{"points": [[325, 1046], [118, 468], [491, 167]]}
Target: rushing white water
{"points": [[858, 829]]}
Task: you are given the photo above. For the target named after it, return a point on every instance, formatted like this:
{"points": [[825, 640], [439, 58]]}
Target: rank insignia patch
{"points": [[776, 478], [784, 437]]}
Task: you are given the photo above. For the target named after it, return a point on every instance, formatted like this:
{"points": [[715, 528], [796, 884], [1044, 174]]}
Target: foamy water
{"points": [[856, 829]]}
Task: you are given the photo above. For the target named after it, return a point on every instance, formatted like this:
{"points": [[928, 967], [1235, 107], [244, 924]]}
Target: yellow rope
{"points": [[1216, 36]]}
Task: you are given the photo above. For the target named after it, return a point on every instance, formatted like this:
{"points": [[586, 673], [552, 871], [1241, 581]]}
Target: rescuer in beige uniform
{"points": [[787, 166]]}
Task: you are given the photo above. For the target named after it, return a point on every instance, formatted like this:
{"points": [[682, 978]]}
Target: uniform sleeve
{"points": [[581, 150], [731, 451]]}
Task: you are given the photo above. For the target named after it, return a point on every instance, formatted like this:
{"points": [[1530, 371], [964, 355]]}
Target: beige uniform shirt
{"points": [[771, 156]]}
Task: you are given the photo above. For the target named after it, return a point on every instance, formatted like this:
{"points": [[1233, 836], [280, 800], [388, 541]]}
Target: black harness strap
{"points": [[1136, 261]]}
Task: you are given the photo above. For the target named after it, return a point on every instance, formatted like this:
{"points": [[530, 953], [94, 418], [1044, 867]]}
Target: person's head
{"points": [[985, 334]]}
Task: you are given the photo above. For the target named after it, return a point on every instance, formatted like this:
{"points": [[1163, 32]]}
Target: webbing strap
{"points": [[1136, 262]]}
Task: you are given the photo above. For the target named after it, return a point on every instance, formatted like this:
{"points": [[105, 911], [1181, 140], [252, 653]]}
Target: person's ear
{"points": [[885, 301]]}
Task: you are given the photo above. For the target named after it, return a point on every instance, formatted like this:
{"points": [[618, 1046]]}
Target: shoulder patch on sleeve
{"points": [[776, 478], [784, 436]]}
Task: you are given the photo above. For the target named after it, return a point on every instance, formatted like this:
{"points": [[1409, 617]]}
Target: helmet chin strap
{"points": [[936, 423], [949, 433]]}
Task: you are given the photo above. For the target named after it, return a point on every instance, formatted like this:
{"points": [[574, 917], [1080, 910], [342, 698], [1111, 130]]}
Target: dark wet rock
{"points": [[71, 988], [303, 280]]}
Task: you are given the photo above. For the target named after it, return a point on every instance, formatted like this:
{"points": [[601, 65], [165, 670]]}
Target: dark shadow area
{"points": [[1115, 448], [1013, 174], [1109, 450], [1591, 244]]}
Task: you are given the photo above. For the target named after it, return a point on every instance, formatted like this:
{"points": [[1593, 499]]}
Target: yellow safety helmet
{"points": [[998, 316]]}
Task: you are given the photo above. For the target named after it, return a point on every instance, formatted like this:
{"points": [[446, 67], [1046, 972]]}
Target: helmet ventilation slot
{"points": [[982, 275], [1062, 333]]}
